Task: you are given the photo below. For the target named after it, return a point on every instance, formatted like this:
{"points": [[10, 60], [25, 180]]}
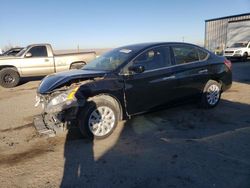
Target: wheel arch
{"points": [[113, 100], [77, 62], [9, 66], [205, 101], [211, 79]]}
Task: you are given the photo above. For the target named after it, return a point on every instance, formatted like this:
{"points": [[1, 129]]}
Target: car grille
{"points": [[229, 52]]}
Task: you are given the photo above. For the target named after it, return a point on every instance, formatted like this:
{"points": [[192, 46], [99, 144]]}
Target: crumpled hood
{"points": [[53, 81]]}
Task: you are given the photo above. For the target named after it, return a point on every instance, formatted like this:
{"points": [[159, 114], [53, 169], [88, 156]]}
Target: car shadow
{"points": [[182, 146], [30, 79], [241, 72], [79, 160]]}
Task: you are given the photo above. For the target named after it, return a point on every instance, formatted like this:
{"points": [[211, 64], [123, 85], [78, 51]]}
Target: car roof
{"points": [[141, 46]]}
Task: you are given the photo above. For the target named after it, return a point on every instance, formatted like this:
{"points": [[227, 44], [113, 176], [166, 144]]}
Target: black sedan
{"points": [[131, 80]]}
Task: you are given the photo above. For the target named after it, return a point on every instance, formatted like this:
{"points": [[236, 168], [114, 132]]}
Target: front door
{"points": [[153, 87], [38, 64]]}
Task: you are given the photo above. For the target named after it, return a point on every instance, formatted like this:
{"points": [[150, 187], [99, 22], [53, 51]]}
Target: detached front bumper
{"points": [[51, 124], [56, 118], [41, 127]]}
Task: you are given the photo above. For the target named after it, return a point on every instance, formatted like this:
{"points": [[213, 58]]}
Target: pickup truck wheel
{"points": [[77, 65], [9, 78], [98, 119], [245, 56], [211, 94]]}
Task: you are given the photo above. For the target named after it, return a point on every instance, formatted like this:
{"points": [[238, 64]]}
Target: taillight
{"points": [[228, 63]]}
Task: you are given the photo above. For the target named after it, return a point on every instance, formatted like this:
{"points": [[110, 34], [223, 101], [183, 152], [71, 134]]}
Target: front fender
{"points": [[13, 63]]}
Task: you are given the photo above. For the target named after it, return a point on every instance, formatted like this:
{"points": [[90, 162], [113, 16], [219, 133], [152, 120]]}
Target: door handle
{"points": [[46, 60], [169, 77], [203, 71]]}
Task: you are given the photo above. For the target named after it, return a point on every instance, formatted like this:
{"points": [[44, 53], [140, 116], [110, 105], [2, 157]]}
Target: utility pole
{"points": [[78, 49]]}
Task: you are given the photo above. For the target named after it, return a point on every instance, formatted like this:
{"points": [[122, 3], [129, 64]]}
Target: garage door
{"points": [[238, 31]]}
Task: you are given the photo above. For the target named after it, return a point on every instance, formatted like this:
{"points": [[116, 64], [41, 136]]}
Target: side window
{"points": [[202, 54], [13, 52], [155, 58], [38, 51], [185, 54]]}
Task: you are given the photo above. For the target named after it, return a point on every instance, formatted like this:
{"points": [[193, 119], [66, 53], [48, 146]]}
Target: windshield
{"points": [[239, 45], [110, 60], [21, 52]]}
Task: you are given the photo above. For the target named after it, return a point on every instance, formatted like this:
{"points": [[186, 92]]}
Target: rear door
{"points": [[39, 63], [191, 69], [155, 86]]}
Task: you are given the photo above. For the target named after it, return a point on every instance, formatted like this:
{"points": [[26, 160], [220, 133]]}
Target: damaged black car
{"points": [[127, 81]]}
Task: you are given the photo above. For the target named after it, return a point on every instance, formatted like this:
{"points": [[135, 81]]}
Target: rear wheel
{"points": [[98, 119], [211, 94], [9, 77]]}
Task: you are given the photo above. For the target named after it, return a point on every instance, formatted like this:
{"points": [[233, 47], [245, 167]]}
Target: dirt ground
{"points": [[183, 146]]}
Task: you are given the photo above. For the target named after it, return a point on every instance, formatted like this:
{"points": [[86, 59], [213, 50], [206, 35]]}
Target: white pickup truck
{"points": [[39, 60], [239, 50]]}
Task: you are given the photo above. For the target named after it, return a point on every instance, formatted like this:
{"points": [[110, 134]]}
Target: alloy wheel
{"points": [[101, 121], [213, 94]]}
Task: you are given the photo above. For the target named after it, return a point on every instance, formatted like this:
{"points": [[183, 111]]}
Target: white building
{"points": [[222, 32]]}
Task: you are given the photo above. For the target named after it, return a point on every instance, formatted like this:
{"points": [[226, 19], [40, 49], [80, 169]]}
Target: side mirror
{"points": [[137, 68], [28, 54]]}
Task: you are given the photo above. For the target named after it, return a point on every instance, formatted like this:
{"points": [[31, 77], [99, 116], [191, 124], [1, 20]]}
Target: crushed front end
{"points": [[60, 109]]}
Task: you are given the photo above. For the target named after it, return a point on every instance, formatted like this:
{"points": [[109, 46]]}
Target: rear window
{"points": [[185, 54], [202, 54]]}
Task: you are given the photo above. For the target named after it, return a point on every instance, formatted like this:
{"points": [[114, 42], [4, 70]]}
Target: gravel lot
{"points": [[179, 147]]}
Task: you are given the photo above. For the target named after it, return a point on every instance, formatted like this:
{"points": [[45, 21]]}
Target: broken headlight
{"points": [[62, 101], [61, 98]]}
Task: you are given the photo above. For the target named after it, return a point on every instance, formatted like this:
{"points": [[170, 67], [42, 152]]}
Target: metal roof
{"points": [[227, 17]]}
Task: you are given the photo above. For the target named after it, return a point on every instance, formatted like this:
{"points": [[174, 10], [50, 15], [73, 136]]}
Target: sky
{"points": [[67, 24]]}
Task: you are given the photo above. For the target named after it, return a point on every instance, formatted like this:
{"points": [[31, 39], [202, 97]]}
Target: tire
{"points": [[77, 65], [93, 109], [9, 78], [245, 56], [211, 94]]}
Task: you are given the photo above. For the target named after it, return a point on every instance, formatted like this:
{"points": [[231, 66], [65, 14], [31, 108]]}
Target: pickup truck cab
{"points": [[39, 60], [239, 50]]}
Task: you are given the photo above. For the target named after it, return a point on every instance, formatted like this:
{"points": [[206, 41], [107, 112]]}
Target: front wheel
{"points": [[9, 77], [245, 56], [98, 119], [211, 94]]}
